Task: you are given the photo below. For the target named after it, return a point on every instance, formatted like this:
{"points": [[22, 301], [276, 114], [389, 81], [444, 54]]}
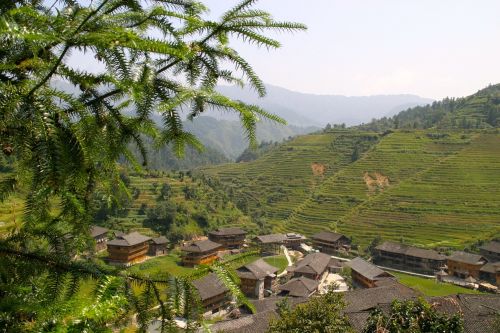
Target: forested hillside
{"points": [[427, 187], [480, 110]]}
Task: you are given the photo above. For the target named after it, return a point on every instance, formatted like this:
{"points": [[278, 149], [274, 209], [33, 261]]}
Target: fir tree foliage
{"points": [[159, 56]]}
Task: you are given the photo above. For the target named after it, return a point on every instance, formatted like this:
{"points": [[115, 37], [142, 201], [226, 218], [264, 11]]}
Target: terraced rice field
{"points": [[281, 180], [220, 214], [422, 187]]}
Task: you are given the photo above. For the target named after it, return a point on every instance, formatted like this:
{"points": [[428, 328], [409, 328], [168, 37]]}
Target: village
{"points": [[314, 266]]}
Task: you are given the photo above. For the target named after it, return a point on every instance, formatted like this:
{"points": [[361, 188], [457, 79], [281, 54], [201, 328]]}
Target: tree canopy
{"points": [[65, 128], [320, 314]]}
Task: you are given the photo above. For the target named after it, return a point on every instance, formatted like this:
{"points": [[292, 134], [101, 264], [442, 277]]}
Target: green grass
{"points": [[279, 262], [431, 287], [169, 263]]}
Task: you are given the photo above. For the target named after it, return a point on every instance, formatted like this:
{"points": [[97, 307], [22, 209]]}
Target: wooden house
{"points": [[491, 251], [463, 264], [270, 244], [366, 274], [314, 266], [158, 246], [229, 238], [200, 252], [299, 287], [214, 295], [331, 242], [257, 277], [128, 249], [409, 258], [100, 236]]}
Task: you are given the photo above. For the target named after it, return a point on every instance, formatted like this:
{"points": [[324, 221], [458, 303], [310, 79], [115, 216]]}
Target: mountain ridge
{"points": [[320, 109]]}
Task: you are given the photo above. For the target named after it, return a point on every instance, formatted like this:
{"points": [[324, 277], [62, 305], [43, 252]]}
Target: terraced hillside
{"points": [[432, 188], [203, 199], [279, 181]]}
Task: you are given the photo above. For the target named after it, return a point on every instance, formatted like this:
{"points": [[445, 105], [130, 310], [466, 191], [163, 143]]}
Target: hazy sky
{"points": [[432, 48]]}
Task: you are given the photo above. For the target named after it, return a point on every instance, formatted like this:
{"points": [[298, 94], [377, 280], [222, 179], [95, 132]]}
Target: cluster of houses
{"points": [[474, 269], [127, 249], [374, 286], [265, 285]]}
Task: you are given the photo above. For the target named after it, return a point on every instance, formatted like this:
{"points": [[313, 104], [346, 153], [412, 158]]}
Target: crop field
{"points": [[428, 188]]}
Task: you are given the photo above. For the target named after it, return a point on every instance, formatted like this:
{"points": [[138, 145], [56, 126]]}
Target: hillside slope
{"points": [[479, 110], [430, 188]]}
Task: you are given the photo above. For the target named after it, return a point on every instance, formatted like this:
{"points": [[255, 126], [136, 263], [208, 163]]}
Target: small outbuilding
{"points": [[158, 246]]}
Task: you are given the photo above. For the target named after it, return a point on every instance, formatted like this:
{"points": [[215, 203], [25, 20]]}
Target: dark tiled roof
{"points": [[209, 286], [131, 239], [410, 251], [257, 323], [367, 269], [300, 287], [327, 236], [479, 311], [491, 267], [314, 263], [269, 239], [258, 269], [468, 258], [491, 247], [97, 231], [160, 240], [228, 231], [365, 299], [201, 246]]}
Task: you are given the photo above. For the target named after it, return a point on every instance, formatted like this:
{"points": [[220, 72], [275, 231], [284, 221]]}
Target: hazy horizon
{"points": [[384, 47]]}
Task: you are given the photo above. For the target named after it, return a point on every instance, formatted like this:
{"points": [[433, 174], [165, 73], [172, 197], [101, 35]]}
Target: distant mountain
{"points": [[317, 110], [480, 110], [227, 136]]}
